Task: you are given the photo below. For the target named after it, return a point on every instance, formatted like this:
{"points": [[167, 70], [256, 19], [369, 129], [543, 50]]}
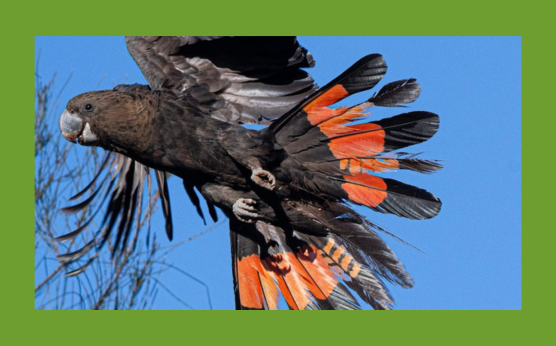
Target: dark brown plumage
{"points": [[282, 187]]}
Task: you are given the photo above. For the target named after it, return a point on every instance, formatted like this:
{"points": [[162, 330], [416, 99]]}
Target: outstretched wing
{"points": [[119, 183], [237, 79]]}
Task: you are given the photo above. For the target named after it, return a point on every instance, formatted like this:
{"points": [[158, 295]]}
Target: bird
{"points": [[286, 188]]}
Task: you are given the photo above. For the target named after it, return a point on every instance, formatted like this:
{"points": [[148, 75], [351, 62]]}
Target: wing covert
{"points": [[239, 79]]}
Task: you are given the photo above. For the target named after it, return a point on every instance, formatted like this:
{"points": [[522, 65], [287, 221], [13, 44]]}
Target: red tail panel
{"points": [[256, 288], [370, 195], [327, 98]]}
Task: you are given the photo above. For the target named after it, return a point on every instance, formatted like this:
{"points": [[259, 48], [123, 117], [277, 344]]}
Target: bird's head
{"points": [[111, 119]]}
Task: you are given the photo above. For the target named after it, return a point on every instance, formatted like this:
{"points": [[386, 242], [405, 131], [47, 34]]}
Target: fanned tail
{"points": [[341, 149]]}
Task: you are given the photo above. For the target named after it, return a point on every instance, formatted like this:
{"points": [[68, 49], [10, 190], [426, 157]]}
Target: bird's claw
{"points": [[245, 211], [263, 178]]}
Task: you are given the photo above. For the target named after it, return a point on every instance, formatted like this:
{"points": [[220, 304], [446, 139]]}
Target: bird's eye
{"points": [[89, 107]]}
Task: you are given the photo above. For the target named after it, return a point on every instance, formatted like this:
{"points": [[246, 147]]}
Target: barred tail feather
{"points": [[303, 277], [358, 276]]}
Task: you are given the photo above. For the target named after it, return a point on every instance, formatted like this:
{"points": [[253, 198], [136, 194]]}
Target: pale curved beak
{"points": [[71, 126], [75, 130]]}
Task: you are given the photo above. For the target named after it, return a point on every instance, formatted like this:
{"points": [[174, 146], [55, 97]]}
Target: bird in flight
{"points": [[285, 188]]}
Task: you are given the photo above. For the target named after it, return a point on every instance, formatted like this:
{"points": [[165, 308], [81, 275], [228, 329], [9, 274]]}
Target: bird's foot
{"points": [[263, 178], [274, 259], [245, 211]]}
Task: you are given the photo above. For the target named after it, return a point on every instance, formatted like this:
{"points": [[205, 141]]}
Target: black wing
{"points": [[120, 184], [239, 79]]}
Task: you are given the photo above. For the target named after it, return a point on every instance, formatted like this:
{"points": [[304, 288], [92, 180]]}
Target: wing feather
{"points": [[256, 78]]}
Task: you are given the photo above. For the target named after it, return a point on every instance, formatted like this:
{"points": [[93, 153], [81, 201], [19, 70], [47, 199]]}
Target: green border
{"points": [[374, 18]]}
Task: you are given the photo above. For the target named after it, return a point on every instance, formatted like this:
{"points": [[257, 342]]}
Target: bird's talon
{"points": [[245, 211], [264, 178]]}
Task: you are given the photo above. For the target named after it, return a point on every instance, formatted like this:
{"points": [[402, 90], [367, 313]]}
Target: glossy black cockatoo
{"points": [[285, 187]]}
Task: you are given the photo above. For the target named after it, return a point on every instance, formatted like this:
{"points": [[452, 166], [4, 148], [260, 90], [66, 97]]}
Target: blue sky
{"points": [[471, 252]]}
